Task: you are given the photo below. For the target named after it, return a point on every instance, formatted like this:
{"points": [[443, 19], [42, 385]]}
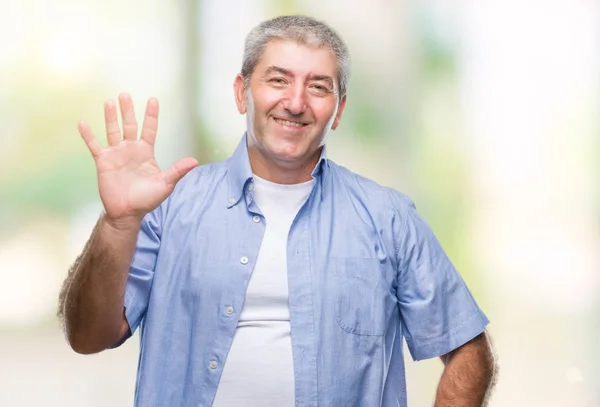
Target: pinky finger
{"points": [[88, 137]]}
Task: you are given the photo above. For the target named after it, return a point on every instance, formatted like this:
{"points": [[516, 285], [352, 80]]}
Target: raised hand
{"points": [[129, 180]]}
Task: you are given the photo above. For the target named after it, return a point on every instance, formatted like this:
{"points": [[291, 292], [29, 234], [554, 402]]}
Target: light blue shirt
{"points": [[364, 272]]}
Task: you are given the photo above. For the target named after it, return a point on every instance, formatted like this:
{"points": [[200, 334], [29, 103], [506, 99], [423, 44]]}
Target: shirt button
{"points": [[232, 200], [244, 260], [256, 218], [213, 364], [250, 187], [229, 310]]}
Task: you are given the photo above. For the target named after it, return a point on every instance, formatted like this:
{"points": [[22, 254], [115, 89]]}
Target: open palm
{"points": [[130, 182]]}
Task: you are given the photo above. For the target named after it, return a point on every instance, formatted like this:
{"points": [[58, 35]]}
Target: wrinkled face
{"points": [[291, 103]]}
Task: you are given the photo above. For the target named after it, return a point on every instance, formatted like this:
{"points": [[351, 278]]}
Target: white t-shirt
{"points": [[259, 369]]}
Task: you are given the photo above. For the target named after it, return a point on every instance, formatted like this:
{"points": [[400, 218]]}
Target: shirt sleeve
{"points": [[439, 313], [141, 271]]}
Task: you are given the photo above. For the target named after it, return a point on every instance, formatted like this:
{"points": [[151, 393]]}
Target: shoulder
{"points": [[200, 180], [204, 172], [370, 192]]}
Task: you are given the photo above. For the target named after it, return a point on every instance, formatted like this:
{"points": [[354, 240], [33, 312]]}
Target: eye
{"points": [[278, 81], [320, 88]]}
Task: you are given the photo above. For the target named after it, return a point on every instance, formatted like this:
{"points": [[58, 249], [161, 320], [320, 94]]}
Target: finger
{"points": [[128, 117], [87, 135], [178, 170], [113, 133], [150, 126]]}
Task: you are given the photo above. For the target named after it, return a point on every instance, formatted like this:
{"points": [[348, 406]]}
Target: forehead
{"points": [[299, 59]]}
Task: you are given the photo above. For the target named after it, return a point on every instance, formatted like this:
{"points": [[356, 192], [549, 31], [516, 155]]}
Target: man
{"points": [[277, 277]]}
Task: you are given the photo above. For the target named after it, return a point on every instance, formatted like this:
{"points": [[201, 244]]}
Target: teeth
{"points": [[288, 123]]}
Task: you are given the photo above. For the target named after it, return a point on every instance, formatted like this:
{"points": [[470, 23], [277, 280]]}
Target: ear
{"points": [[240, 93], [338, 115]]}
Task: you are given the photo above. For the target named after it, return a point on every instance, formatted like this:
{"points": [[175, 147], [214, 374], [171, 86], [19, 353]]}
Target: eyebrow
{"points": [[287, 72], [278, 69]]}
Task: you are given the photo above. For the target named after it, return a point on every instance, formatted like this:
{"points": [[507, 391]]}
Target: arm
{"points": [[131, 185], [439, 313], [91, 301], [469, 375]]}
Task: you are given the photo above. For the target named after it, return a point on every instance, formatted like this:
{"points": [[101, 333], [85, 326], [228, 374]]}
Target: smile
{"points": [[289, 123]]}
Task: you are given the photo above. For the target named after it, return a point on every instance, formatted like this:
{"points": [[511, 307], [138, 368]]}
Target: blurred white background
{"points": [[485, 113]]}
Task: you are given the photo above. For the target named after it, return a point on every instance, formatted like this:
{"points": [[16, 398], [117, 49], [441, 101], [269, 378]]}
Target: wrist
{"points": [[122, 225]]}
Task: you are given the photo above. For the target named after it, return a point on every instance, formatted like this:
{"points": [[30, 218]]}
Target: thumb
{"points": [[178, 170]]}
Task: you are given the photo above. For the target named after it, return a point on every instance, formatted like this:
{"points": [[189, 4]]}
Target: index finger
{"points": [[150, 125]]}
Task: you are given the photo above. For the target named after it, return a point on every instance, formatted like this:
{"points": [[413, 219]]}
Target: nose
{"points": [[295, 102]]}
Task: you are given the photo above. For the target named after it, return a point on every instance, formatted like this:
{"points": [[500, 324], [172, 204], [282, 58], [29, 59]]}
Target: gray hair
{"points": [[302, 29]]}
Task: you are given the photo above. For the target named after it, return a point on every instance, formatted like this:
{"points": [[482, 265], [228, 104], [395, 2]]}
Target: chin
{"points": [[284, 147], [286, 154]]}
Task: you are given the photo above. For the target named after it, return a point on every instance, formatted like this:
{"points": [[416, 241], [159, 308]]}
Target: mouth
{"points": [[290, 123]]}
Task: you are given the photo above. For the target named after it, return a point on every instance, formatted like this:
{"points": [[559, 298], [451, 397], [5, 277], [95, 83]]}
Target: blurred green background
{"points": [[485, 114]]}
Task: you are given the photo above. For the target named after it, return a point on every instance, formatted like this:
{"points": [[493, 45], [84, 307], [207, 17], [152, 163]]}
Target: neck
{"points": [[280, 171]]}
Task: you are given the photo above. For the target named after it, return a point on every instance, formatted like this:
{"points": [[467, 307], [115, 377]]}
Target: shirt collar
{"points": [[239, 171]]}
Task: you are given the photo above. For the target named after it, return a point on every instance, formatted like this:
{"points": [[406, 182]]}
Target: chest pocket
{"points": [[363, 301]]}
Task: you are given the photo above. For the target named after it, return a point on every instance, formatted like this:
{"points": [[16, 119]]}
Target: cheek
{"points": [[324, 111], [267, 100]]}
